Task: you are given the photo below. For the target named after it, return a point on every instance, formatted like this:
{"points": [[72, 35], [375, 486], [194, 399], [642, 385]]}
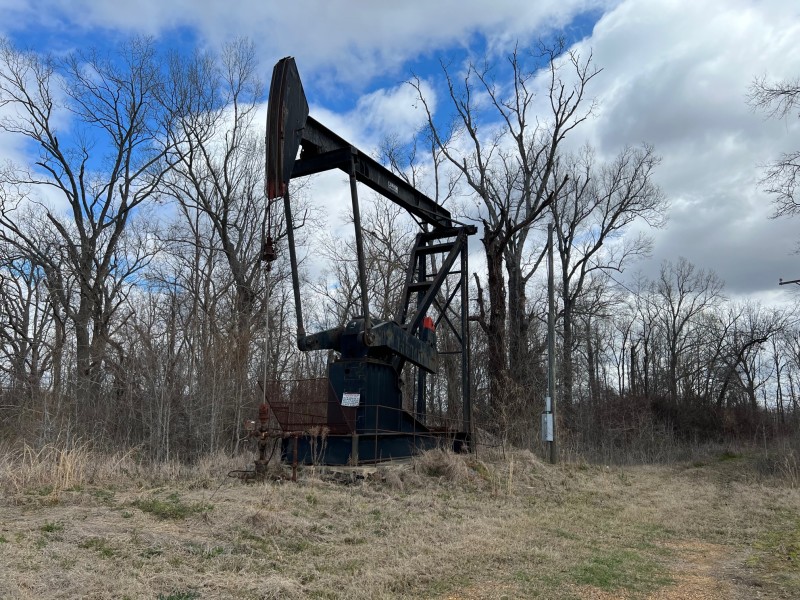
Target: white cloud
{"points": [[350, 41], [394, 111], [676, 75]]}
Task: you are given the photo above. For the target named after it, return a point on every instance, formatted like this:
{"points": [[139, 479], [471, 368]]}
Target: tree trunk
{"points": [[567, 371], [496, 328], [518, 352]]}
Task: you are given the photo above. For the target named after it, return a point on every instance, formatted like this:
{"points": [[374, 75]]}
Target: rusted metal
{"points": [[263, 439], [268, 254], [266, 440], [307, 404]]}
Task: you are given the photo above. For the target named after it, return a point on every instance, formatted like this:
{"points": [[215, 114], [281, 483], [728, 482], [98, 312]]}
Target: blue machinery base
{"points": [[359, 449], [376, 430]]}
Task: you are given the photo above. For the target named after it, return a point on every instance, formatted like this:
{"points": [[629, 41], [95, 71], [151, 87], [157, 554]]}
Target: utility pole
{"points": [[549, 414]]}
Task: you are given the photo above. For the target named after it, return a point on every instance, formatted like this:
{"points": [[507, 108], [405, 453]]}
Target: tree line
{"points": [[137, 309]]}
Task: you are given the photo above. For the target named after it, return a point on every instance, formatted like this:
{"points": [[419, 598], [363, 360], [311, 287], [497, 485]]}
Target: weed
{"points": [[783, 463], [105, 496], [151, 552], [187, 595], [3, 540], [480, 469], [171, 507], [99, 545], [257, 542], [523, 576], [353, 541], [444, 465], [205, 552], [175, 561], [296, 546], [51, 527], [48, 470]]}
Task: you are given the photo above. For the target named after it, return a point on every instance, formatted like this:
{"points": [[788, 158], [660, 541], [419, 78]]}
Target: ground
{"points": [[443, 526]]}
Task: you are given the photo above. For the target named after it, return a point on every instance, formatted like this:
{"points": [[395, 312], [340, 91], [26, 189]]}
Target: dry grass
{"points": [[77, 524]]}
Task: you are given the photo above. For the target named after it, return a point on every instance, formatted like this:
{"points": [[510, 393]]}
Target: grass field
{"points": [[77, 525]]}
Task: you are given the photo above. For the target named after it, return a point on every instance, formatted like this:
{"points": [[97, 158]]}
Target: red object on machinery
{"points": [[427, 323]]}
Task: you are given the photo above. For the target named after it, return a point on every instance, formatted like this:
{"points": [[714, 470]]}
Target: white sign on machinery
{"points": [[351, 399]]}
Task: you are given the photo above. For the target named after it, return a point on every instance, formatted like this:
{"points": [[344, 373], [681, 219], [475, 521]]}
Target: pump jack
{"points": [[363, 419]]}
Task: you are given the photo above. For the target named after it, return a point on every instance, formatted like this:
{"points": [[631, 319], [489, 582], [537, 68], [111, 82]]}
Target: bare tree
{"points": [[218, 158], [779, 99], [750, 332], [683, 292], [218, 176], [789, 349], [590, 214], [26, 352], [388, 236], [104, 165], [505, 154]]}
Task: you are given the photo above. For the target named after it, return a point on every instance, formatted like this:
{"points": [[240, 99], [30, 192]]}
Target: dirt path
{"points": [[699, 574], [702, 571]]}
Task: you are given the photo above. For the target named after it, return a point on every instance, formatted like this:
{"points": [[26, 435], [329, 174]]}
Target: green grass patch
{"points": [[3, 540], [104, 496], [778, 554], [99, 545], [619, 569], [171, 507], [187, 595], [652, 536], [252, 543], [52, 527], [296, 545]]}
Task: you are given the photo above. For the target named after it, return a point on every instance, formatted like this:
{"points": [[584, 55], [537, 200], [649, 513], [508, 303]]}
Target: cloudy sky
{"points": [[675, 75]]}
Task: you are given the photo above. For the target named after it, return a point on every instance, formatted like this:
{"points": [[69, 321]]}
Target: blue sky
{"points": [[675, 75]]}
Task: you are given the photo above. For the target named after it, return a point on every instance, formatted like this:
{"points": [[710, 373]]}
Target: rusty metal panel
{"points": [[308, 406]]}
